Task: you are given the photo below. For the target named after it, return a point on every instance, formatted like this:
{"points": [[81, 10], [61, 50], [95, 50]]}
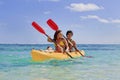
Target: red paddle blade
{"points": [[52, 24], [37, 27]]}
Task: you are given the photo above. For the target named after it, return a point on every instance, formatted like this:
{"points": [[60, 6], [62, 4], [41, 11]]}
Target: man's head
{"points": [[69, 34]]}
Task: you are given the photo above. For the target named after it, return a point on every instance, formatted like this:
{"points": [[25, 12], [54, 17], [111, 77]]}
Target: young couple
{"points": [[63, 44]]}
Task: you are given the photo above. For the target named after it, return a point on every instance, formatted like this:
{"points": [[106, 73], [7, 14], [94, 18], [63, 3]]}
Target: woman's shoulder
{"points": [[62, 38]]}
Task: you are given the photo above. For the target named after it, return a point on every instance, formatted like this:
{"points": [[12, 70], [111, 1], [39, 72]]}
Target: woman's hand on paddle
{"points": [[49, 39], [67, 50]]}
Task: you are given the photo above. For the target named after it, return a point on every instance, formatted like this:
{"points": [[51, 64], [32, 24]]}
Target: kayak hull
{"points": [[38, 55]]}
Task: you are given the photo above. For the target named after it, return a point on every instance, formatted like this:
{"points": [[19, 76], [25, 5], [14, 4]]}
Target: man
{"points": [[71, 43]]}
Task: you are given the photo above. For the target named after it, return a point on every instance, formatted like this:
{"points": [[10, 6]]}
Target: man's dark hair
{"points": [[69, 31]]}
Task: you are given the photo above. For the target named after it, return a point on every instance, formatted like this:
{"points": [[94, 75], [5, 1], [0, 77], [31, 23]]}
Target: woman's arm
{"points": [[49, 39], [66, 44]]}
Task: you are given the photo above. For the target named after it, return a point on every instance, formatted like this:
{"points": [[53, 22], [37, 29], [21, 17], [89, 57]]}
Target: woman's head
{"points": [[69, 34], [58, 34]]}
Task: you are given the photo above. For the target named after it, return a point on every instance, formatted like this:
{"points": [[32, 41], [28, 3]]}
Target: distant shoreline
{"points": [[52, 44]]}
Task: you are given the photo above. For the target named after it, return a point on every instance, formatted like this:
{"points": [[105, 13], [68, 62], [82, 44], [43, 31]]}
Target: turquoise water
{"points": [[16, 64]]}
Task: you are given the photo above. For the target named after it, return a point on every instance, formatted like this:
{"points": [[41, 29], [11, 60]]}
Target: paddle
{"points": [[54, 26], [40, 29], [37, 27]]}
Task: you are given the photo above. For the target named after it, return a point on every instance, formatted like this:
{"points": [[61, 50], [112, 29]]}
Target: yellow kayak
{"points": [[39, 55]]}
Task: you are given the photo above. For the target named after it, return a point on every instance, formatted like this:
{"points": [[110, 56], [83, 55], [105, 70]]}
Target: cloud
{"points": [[115, 21], [49, 0], [103, 20], [81, 7], [95, 17], [47, 12]]}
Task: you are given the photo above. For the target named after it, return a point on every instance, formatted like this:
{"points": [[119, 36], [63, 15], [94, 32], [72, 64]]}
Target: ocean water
{"points": [[16, 63]]}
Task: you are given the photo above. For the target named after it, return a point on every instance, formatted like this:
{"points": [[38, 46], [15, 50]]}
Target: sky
{"points": [[92, 21]]}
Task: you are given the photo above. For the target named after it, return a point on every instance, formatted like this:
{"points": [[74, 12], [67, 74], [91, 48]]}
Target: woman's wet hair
{"points": [[56, 34], [69, 31]]}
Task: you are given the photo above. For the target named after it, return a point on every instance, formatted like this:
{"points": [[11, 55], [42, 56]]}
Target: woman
{"points": [[71, 43], [60, 43]]}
